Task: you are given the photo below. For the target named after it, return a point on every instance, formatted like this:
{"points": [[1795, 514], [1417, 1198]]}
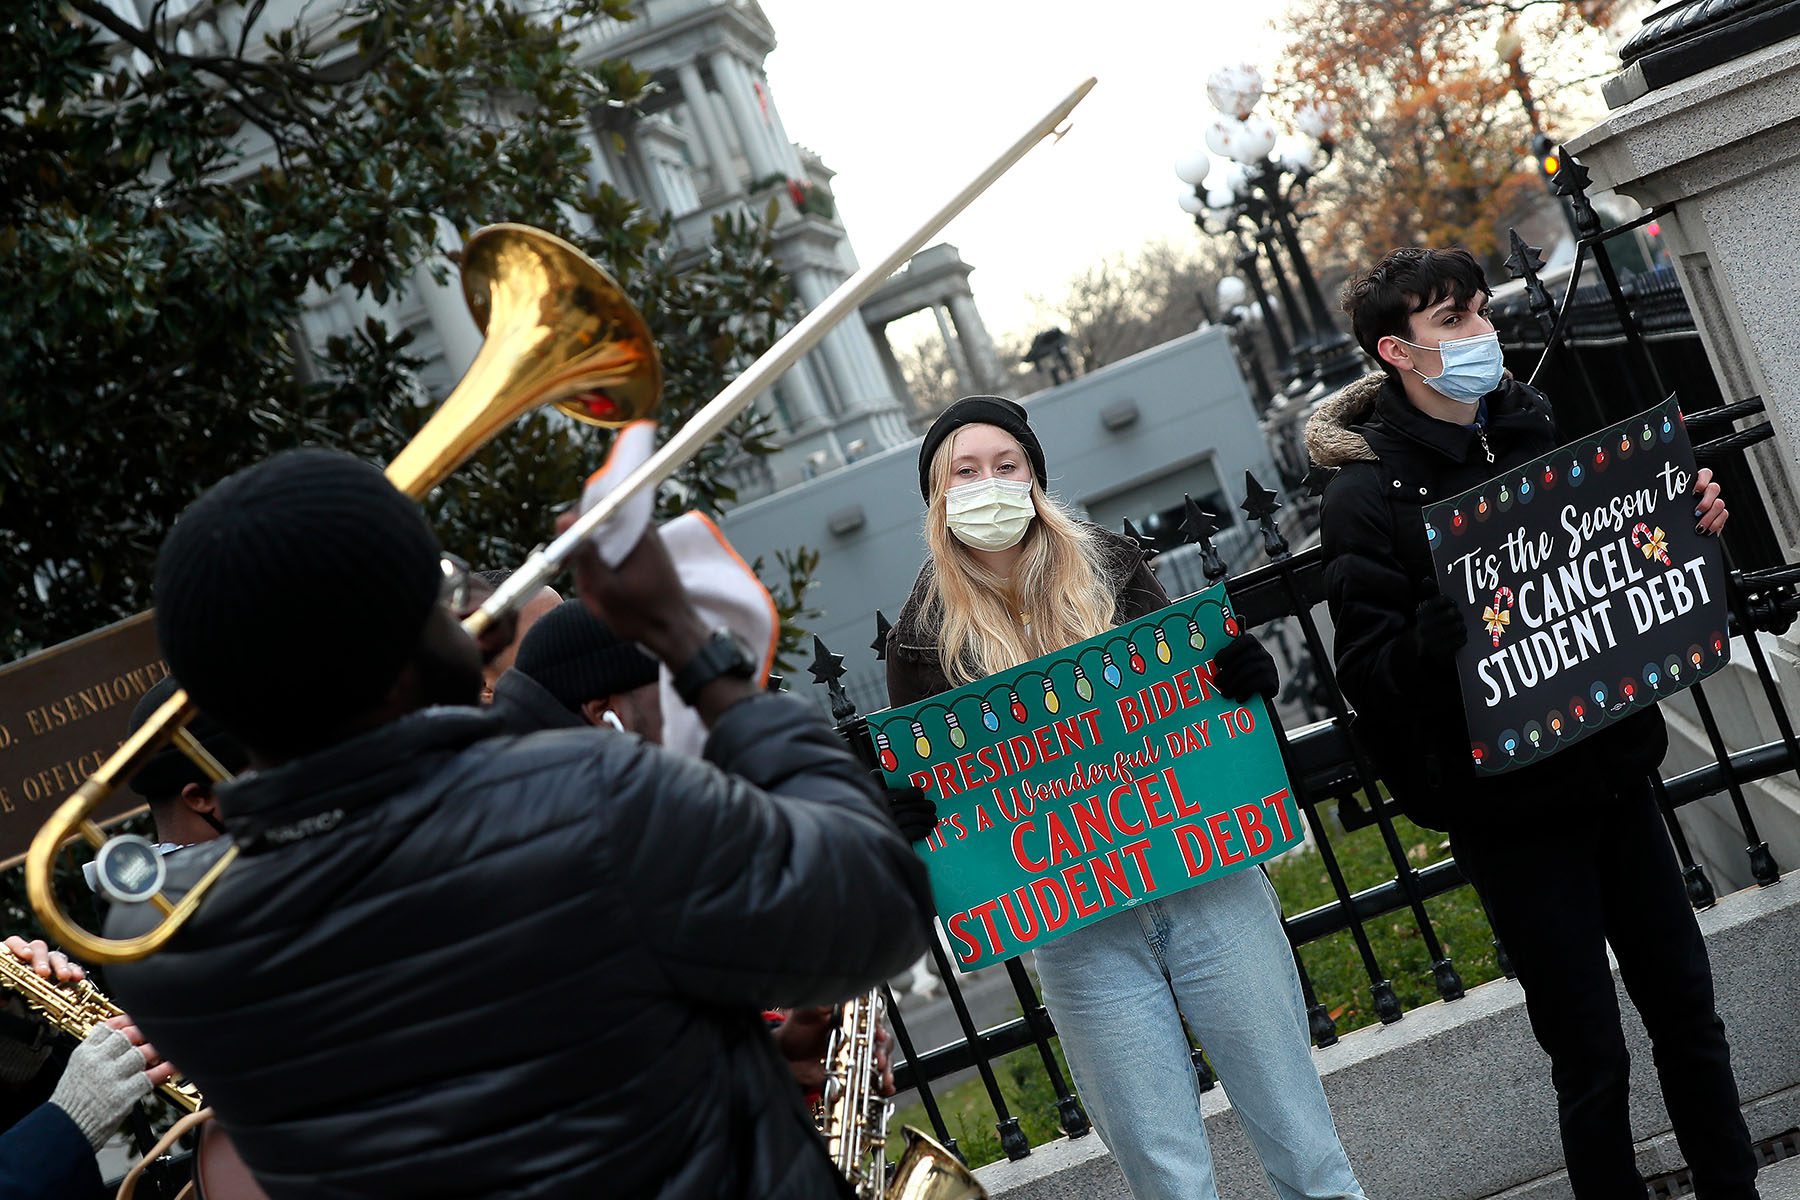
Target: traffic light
{"points": [[1543, 151]]}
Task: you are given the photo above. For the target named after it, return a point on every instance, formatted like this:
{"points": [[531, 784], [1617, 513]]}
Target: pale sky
{"points": [[907, 102]]}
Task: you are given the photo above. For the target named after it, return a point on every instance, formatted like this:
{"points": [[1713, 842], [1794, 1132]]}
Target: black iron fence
{"points": [[1607, 349]]}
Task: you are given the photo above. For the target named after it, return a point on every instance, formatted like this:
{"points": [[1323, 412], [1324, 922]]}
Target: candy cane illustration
{"points": [[1497, 615], [1654, 545]]}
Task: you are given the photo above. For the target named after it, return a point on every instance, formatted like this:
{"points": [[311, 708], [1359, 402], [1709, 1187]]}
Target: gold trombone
{"points": [[558, 331]]}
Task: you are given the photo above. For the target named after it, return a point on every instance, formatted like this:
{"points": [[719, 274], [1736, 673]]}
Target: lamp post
{"points": [[1236, 316], [1262, 199]]}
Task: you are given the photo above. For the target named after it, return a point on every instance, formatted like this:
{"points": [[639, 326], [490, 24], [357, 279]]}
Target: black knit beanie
{"points": [[290, 595], [979, 410], [577, 658]]}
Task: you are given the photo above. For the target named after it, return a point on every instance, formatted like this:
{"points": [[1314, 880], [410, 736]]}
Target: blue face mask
{"points": [[1472, 367]]}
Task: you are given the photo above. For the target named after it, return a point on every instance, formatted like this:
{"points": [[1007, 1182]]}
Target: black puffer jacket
{"points": [[526, 706], [533, 966], [1391, 460], [914, 669]]}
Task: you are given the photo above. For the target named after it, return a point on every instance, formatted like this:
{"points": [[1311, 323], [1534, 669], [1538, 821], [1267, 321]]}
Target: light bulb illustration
{"points": [[1109, 669], [1556, 724], [1534, 737], [1478, 752], [1196, 639], [1599, 456], [1652, 676], [958, 738], [1549, 475], [885, 751], [1163, 652], [1647, 436], [1051, 703], [921, 743], [1505, 494], [1575, 472], [1628, 689], [1458, 522], [1481, 508], [1231, 622], [1524, 491], [1084, 687], [1624, 444], [1136, 660], [989, 717], [1668, 430], [1018, 705], [1579, 710]]}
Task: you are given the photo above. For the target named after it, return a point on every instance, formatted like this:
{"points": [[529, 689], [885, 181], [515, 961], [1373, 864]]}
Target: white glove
{"points": [[105, 1077]]}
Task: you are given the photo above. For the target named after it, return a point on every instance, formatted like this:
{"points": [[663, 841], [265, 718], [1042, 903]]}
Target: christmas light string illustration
{"points": [[1125, 643]]}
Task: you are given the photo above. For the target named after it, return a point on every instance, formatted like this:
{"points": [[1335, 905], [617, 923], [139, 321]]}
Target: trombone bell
{"points": [[558, 331]]}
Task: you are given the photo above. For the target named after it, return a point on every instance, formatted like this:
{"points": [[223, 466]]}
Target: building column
{"points": [[839, 364], [784, 145], [977, 346], [865, 358], [805, 405], [712, 138], [884, 350], [965, 384], [740, 105], [599, 166], [446, 308]]}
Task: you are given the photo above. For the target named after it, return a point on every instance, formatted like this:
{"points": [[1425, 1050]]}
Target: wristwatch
{"points": [[720, 654]]}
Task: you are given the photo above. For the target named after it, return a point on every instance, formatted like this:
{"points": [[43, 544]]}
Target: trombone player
{"points": [[454, 962]]}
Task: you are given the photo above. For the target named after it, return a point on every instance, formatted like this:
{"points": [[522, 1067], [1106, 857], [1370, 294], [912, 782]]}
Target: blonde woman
{"points": [[1011, 576]]}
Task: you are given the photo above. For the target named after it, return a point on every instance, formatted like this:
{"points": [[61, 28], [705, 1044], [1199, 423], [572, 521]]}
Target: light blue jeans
{"points": [[1216, 954]]}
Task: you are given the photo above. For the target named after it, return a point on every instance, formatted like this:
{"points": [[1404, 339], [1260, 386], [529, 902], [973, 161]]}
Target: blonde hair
{"points": [[1059, 585]]}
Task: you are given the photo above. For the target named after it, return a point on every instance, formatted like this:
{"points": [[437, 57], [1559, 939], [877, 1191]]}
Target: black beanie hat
{"points": [[290, 595], [169, 770], [577, 658], [979, 410]]}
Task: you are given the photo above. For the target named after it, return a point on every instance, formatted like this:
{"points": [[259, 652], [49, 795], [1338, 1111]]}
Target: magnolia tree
{"points": [[170, 202]]}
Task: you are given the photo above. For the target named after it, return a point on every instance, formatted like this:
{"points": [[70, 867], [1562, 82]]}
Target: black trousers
{"points": [[1562, 876]]}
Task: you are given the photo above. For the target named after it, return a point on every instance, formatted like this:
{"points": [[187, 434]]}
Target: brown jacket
{"points": [[914, 669]]}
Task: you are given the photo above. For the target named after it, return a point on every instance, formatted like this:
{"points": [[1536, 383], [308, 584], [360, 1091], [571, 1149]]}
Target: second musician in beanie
{"points": [[1012, 575]]}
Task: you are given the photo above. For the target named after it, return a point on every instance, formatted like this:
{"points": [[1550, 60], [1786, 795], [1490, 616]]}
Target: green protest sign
{"points": [[1090, 780]]}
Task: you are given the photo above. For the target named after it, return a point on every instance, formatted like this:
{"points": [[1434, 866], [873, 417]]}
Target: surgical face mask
{"points": [[989, 514], [1472, 367]]}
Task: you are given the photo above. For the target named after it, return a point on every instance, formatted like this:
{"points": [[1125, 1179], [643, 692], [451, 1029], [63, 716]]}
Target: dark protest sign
{"points": [[62, 712], [1090, 780], [1587, 592]]}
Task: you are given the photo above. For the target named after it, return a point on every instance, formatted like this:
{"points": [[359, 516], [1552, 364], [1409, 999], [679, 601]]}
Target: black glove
{"points": [[1438, 630], [1245, 669], [913, 811]]}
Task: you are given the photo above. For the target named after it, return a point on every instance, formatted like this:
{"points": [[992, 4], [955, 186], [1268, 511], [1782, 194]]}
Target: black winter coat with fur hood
{"points": [[1391, 459]]}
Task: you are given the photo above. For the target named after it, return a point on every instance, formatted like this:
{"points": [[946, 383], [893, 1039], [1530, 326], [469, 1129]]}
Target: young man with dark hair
{"points": [[450, 961], [1569, 855]]}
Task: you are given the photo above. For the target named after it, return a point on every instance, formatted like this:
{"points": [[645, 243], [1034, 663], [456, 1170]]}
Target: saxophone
{"points": [[852, 1114], [74, 1009]]}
